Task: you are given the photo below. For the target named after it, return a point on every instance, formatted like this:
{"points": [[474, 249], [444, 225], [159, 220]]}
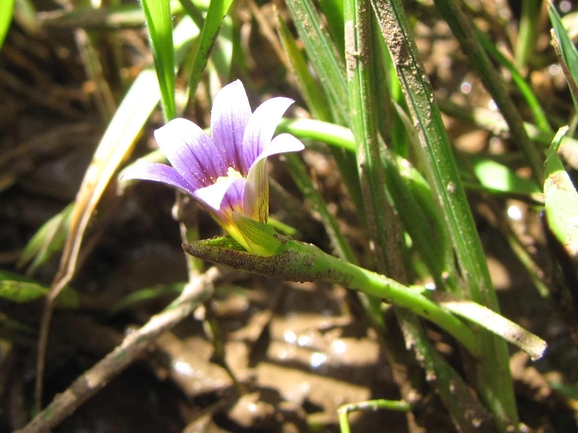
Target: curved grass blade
{"points": [[117, 17], [118, 139], [147, 294], [497, 177], [369, 406]]}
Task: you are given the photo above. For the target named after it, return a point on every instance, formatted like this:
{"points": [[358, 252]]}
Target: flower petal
{"points": [[261, 127], [158, 173], [283, 143], [229, 116], [233, 199], [212, 195], [191, 152], [256, 199]]}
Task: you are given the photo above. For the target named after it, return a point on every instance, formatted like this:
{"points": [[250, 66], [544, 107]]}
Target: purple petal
{"points": [[222, 196], [283, 143], [261, 127], [229, 116], [191, 152], [158, 173], [233, 198]]}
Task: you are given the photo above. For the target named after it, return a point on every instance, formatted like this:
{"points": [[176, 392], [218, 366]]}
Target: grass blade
{"points": [[160, 29], [566, 51], [6, 12], [561, 200], [493, 379], [463, 30], [218, 9]]}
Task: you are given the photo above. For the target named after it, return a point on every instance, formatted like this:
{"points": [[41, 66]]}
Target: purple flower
{"points": [[226, 172]]}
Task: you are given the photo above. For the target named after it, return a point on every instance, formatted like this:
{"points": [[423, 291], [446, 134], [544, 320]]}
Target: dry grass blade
{"points": [[115, 145]]}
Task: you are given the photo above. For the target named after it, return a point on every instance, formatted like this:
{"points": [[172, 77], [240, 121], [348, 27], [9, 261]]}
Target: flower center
{"points": [[231, 174]]}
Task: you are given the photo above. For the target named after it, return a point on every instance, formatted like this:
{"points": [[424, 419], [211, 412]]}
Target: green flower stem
{"points": [[297, 261], [334, 135]]}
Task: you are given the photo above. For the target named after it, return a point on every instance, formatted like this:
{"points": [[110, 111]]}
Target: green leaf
{"points": [[160, 28], [147, 294], [561, 199], [6, 12], [314, 98], [47, 241], [261, 238], [567, 51], [322, 53], [498, 177], [16, 288], [218, 9]]}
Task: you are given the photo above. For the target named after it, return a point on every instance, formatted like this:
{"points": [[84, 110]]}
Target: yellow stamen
{"points": [[231, 174]]}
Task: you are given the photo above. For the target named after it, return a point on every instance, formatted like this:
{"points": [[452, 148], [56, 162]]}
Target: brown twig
{"points": [[93, 380]]}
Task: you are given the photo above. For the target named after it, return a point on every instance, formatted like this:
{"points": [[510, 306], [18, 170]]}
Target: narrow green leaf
{"points": [[323, 56], [16, 288], [315, 99], [47, 241], [524, 88], [322, 53], [561, 199], [464, 30], [567, 51], [381, 220], [492, 375], [147, 294], [160, 29], [6, 12], [218, 9], [498, 177]]}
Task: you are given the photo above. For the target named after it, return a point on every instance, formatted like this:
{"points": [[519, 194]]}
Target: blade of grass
{"points": [[125, 16], [322, 54], [47, 241], [316, 98], [493, 378], [463, 30], [160, 31], [381, 221], [218, 9], [524, 88], [6, 12], [369, 406], [528, 32], [567, 53], [118, 139], [561, 200]]}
